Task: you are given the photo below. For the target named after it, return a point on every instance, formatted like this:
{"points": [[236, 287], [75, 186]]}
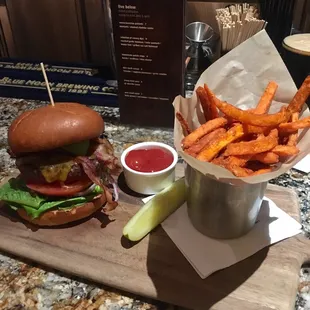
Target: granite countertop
{"points": [[25, 285]]}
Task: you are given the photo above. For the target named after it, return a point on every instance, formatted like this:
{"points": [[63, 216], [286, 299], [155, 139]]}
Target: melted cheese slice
{"points": [[57, 172]]}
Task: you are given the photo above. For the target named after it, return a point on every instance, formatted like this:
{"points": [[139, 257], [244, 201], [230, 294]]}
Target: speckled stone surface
{"points": [[25, 285]]}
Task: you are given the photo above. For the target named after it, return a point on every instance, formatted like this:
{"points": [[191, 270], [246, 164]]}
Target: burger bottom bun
{"points": [[61, 217]]}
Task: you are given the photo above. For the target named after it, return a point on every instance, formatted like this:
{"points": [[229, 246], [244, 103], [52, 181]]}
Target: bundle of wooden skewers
{"points": [[237, 23]]}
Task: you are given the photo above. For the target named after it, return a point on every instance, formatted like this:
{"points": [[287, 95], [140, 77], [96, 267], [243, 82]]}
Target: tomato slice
{"points": [[57, 189]]}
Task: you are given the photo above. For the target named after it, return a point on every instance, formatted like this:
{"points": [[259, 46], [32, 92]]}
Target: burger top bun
{"points": [[51, 127]]}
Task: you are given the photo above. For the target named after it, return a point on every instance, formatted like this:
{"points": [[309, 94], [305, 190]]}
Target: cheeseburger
{"points": [[66, 171]]}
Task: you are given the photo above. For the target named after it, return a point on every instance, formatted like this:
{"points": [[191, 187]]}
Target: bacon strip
{"points": [[90, 170], [103, 150]]}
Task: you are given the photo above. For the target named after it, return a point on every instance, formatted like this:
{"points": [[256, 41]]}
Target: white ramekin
{"points": [[149, 182]]}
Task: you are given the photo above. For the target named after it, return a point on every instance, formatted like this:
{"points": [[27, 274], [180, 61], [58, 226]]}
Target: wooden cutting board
{"points": [[94, 249]]}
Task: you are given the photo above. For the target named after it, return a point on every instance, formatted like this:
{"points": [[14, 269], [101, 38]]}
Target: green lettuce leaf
{"points": [[16, 195], [60, 204], [16, 191], [78, 149]]}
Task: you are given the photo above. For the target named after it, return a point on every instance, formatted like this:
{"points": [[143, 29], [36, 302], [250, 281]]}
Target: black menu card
{"points": [[149, 49]]}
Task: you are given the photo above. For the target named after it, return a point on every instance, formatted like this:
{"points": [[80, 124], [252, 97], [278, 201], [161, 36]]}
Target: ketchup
{"points": [[149, 159]]}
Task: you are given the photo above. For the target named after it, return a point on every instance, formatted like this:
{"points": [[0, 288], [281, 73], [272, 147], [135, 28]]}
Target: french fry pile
{"points": [[246, 142]]}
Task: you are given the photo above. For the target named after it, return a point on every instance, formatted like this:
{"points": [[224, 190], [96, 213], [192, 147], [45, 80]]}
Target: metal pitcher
{"points": [[222, 210]]}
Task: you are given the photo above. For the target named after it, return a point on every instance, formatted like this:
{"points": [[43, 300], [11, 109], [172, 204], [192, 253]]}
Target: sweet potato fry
{"points": [[263, 107], [266, 158], [249, 129], [285, 150], [212, 101], [262, 171], [240, 172], [256, 165], [184, 124], [246, 172], [204, 141], [203, 130], [238, 160], [232, 122], [219, 161], [248, 142], [260, 136], [204, 101], [294, 126], [300, 97], [292, 139], [283, 140], [264, 104], [268, 120], [263, 144], [241, 161], [231, 161], [208, 153]]}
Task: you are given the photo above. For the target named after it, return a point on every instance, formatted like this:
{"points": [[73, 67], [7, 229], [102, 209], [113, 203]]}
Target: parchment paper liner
{"points": [[240, 78]]}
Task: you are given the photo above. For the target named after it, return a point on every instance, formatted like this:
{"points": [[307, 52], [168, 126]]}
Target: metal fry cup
{"points": [[222, 210]]}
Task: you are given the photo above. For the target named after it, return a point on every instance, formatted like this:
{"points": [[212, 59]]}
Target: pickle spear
{"points": [[155, 211]]}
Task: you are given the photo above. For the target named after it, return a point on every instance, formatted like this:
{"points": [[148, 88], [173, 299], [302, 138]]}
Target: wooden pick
{"points": [[47, 84]]}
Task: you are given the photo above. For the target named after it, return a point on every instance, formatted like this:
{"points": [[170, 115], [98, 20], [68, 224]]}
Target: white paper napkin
{"points": [[208, 255], [304, 164]]}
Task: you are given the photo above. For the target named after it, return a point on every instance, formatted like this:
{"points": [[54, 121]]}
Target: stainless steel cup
{"points": [[222, 210]]}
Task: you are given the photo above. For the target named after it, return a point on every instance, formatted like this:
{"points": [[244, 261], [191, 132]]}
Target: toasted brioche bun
{"points": [[49, 127], [61, 217]]}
